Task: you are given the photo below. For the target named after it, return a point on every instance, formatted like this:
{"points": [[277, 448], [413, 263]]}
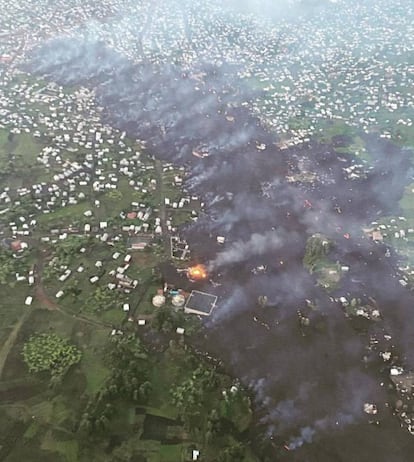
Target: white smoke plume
{"points": [[256, 245]]}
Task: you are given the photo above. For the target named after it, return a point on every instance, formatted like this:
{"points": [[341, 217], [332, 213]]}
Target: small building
{"points": [[377, 236], [28, 300]]}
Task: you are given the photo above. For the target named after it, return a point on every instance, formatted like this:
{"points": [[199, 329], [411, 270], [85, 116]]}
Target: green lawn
{"points": [[18, 162], [64, 216], [92, 363]]}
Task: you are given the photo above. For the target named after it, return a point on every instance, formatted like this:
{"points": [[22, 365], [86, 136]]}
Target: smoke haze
{"points": [[310, 381]]}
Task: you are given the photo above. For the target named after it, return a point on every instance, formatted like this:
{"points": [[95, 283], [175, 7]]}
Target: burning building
{"points": [[197, 273]]}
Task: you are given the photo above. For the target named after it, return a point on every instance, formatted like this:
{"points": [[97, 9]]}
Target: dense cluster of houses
{"points": [[308, 72], [84, 157], [86, 163], [399, 233]]}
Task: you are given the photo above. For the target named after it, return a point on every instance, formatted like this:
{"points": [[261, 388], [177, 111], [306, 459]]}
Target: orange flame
{"points": [[197, 273]]}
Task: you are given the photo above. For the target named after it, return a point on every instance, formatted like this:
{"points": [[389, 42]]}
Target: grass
{"points": [[63, 215], [67, 449], [11, 311], [404, 246], [356, 148], [324, 274], [32, 430], [18, 159], [110, 207], [402, 135], [115, 316], [93, 363], [180, 217], [162, 378], [9, 343], [172, 452], [332, 128]]}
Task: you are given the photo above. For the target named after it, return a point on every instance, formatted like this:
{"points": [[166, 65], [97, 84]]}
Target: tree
{"points": [[144, 390], [49, 352], [234, 453], [70, 246]]}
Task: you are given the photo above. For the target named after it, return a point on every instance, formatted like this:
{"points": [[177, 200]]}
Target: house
{"points": [[377, 235]]}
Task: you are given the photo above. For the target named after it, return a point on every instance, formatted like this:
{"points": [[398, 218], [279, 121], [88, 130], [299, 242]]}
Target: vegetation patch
{"points": [[51, 353]]}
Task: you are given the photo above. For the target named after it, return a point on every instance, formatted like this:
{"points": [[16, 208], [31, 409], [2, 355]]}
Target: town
{"points": [[206, 229]]}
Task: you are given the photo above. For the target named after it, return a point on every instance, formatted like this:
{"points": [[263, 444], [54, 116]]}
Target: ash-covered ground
{"points": [[310, 381]]}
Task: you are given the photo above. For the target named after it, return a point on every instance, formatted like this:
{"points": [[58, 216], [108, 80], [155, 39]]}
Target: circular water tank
{"points": [[158, 300], [178, 300]]}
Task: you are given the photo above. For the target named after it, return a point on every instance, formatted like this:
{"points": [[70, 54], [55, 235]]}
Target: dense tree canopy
{"points": [[49, 352]]}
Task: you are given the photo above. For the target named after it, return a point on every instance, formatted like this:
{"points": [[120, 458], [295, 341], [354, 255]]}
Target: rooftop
{"points": [[200, 303]]}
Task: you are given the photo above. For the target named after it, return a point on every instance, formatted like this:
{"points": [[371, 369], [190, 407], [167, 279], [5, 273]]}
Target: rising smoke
{"points": [[308, 381]]}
